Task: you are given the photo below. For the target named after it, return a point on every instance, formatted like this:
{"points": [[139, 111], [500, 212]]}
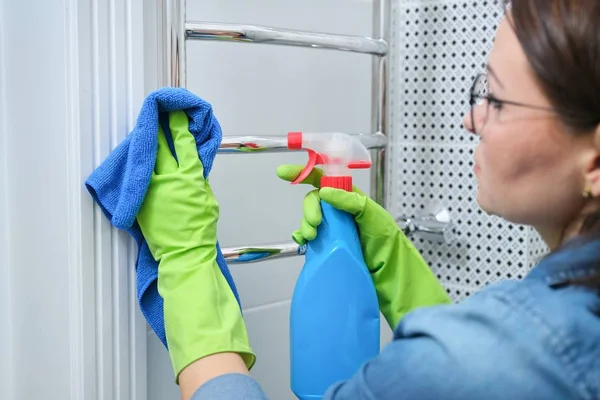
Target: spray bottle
{"points": [[334, 315]]}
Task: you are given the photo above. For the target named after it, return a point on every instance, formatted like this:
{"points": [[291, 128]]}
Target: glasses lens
{"points": [[479, 102], [480, 88]]}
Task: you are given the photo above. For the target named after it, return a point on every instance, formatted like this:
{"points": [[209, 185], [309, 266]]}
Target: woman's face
{"points": [[529, 169]]}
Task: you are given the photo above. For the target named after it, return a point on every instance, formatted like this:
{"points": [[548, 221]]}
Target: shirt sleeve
{"points": [[485, 348], [230, 387]]}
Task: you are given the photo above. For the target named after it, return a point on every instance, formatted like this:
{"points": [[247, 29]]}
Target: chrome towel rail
{"points": [[272, 35], [433, 225], [178, 31], [274, 144], [250, 254]]}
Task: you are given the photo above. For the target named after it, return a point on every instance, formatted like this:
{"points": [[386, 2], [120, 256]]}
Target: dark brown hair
{"points": [[561, 40]]}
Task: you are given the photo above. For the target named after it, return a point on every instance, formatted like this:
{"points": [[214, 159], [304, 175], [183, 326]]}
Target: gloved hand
{"points": [[178, 219], [402, 279]]}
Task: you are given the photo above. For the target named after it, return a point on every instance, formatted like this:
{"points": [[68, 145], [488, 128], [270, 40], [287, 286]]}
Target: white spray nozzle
{"points": [[337, 152]]}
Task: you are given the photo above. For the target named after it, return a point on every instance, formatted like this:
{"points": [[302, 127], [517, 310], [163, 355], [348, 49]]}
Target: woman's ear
{"points": [[592, 171]]}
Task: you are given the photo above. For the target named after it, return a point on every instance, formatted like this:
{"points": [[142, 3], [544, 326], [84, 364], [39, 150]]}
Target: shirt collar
{"points": [[577, 260]]}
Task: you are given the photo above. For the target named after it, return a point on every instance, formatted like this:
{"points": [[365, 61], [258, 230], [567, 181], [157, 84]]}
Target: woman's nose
{"points": [[468, 122], [475, 119]]}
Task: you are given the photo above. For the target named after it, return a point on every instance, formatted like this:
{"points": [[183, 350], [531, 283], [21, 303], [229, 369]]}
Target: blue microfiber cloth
{"points": [[120, 183]]}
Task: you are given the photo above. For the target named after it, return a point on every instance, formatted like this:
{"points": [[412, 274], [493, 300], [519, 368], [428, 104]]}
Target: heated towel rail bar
{"points": [[434, 225], [271, 35], [274, 144], [431, 225]]}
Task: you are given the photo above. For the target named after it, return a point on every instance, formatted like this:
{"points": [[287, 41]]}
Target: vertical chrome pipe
{"points": [[175, 42], [379, 92]]}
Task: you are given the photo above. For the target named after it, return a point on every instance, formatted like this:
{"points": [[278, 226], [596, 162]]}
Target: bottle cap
{"points": [[337, 182]]}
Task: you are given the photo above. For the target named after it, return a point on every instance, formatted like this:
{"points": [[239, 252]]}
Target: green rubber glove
{"points": [[179, 221], [402, 279]]}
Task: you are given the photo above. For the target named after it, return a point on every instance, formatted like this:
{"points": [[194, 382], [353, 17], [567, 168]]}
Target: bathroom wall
{"points": [[70, 87], [73, 74], [270, 90], [437, 49]]}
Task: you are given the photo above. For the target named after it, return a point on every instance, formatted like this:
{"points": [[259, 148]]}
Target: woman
{"points": [[537, 113]]}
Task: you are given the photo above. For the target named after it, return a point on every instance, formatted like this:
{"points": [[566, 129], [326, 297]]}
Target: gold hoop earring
{"points": [[587, 192]]}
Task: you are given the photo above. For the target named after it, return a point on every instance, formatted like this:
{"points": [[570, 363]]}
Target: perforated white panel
{"points": [[437, 49]]}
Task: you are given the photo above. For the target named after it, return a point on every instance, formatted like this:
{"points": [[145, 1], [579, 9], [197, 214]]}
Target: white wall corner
{"points": [[93, 103], [103, 87]]}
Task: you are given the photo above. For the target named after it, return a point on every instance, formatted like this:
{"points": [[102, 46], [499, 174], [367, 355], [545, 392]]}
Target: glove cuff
{"points": [[202, 316], [181, 357]]}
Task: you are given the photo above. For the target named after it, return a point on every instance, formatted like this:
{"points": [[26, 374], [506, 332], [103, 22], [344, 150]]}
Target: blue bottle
{"points": [[334, 315]]}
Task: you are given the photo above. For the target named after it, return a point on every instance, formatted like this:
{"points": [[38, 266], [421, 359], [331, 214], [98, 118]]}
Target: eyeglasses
{"points": [[480, 97]]}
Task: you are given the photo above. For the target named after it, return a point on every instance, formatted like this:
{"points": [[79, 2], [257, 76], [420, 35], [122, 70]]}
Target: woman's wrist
{"points": [[201, 371]]}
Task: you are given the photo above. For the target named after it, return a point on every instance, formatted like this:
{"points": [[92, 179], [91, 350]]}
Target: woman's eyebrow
{"points": [[494, 75]]}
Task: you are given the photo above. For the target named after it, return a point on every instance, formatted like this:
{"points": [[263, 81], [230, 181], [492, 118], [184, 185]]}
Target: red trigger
{"points": [[313, 159]]}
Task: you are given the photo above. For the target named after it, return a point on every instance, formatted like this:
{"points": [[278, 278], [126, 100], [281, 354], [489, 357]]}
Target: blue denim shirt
{"points": [[538, 338]]}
